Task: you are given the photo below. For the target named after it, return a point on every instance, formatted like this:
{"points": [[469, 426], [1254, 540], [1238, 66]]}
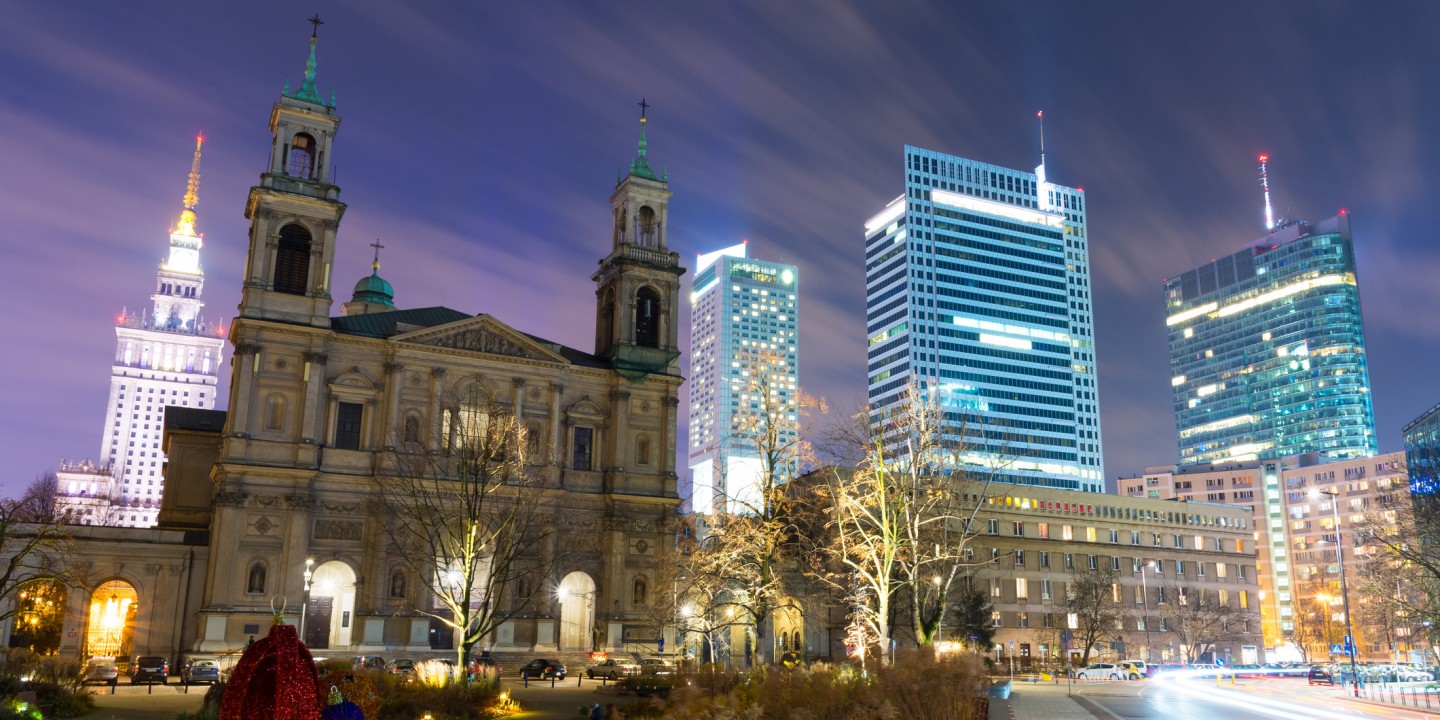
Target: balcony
{"points": [[299, 186]]}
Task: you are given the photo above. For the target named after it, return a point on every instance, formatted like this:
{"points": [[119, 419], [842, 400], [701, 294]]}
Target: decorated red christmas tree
{"points": [[274, 680]]}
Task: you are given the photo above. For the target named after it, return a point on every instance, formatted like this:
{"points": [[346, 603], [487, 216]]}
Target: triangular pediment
{"points": [[482, 334]]}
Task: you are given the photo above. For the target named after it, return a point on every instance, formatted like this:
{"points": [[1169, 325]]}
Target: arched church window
{"points": [[619, 225], [397, 584], [639, 593], [647, 318], [411, 433], [255, 581], [646, 226], [642, 450], [292, 260], [606, 328], [301, 162], [275, 412]]}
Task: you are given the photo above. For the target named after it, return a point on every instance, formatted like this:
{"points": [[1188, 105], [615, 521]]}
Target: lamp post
{"points": [[1334, 494], [1145, 600], [305, 598]]}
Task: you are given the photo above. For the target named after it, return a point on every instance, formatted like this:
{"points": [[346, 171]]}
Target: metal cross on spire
{"points": [[643, 107], [376, 264], [316, 22]]}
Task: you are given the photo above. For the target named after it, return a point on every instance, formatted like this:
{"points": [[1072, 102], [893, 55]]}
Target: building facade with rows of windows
{"points": [[1166, 557], [1296, 503], [977, 288], [744, 377]]}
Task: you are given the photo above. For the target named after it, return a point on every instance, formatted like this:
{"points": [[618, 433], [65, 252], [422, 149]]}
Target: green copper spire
{"points": [[640, 166], [308, 92]]}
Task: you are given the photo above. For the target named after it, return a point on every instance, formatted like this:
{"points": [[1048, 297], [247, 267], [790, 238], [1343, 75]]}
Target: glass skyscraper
{"points": [[744, 370], [978, 289], [1267, 351], [1422, 452]]}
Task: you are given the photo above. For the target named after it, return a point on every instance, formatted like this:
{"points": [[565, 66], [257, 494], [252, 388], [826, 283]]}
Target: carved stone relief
{"points": [[348, 530], [480, 340]]}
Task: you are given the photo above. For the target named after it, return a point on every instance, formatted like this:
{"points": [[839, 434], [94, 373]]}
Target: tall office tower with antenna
{"points": [[978, 291], [1267, 348]]}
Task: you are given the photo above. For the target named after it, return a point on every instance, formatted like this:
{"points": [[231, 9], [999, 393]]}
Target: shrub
{"points": [[914, 688]]}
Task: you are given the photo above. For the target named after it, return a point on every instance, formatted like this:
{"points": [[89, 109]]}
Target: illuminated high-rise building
{"points": [[165, 356], [744, 375], [978, 289], [1267, 350]]}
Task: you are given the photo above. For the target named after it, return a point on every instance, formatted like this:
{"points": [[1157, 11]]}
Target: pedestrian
{"points": [[613, 713], [596, 712]]}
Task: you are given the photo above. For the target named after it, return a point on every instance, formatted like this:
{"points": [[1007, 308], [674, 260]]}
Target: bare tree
{"points": [[33, 546], [903, 519], [1198, 619], [1397, 582], [464, 514], [745, 540], [1091, 606]]}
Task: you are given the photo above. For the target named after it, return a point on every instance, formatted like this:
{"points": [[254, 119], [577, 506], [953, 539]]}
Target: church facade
{"points": [[270, 503]]}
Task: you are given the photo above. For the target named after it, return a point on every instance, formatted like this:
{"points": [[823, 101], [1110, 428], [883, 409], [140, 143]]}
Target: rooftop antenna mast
{"points": [[1041, 115], [1265, 184]]}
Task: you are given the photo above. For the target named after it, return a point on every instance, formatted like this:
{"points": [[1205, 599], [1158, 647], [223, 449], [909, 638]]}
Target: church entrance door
{"points": [[577, 611], [334, 583], [318, 615]]}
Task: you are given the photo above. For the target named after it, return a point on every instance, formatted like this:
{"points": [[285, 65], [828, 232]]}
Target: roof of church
{"points": [[388, 324], [375, 289]]}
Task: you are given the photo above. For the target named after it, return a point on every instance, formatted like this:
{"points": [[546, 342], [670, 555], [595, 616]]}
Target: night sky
{"points": [[481, 141]]}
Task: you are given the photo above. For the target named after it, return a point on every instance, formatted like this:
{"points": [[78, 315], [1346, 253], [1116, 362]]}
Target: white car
{"points": [[1101, 671], [613, 668]]}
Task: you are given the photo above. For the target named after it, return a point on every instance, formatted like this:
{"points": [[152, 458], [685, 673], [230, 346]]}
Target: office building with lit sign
{"points": [[978, 289]]}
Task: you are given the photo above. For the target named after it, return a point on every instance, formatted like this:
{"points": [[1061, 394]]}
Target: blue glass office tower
{"points": [[978, 288], [1422, 453], [1267, 351]]}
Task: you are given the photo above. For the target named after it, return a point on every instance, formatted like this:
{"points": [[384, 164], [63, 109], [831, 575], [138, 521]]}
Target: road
{"points": [[1261, 699]]}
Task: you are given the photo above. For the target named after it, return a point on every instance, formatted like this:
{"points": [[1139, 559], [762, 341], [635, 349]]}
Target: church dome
{"points": [[374, 289]]}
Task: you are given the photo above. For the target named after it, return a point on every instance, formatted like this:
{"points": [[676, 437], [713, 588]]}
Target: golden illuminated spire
{"points": [[186, 226]]}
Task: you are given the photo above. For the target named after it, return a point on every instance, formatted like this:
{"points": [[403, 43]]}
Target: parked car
{"points": [[612, 668], [368, 662], [543, 669], [1321, 675], [484, 665], [149, 668], [404, 667], [1135, 669], [198, 670], [100, 670], [1101, 671], [656, 666]]}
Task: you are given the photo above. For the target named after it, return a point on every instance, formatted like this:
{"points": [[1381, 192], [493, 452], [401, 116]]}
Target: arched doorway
{"points": [[111, 625], [577, 611], [330, 612]]}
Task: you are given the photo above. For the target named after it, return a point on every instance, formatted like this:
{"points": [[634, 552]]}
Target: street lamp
{"points": [[1334, 494], [1145, 600], [305, 598]]}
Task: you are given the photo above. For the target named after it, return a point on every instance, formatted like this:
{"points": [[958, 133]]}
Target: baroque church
{"points": [[266, 503]]}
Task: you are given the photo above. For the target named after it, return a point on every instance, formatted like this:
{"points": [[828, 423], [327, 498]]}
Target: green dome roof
{"points": [[374, 289]]}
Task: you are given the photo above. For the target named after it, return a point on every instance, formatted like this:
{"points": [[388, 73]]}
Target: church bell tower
{"points": [[638, 284], [295, 211]]}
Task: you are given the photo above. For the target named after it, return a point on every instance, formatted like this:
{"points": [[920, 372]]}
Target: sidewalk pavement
{"points": [[1038, 701]]}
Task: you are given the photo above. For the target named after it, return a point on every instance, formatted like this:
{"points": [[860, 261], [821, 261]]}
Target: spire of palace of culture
{"points": [[168, 356]]}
